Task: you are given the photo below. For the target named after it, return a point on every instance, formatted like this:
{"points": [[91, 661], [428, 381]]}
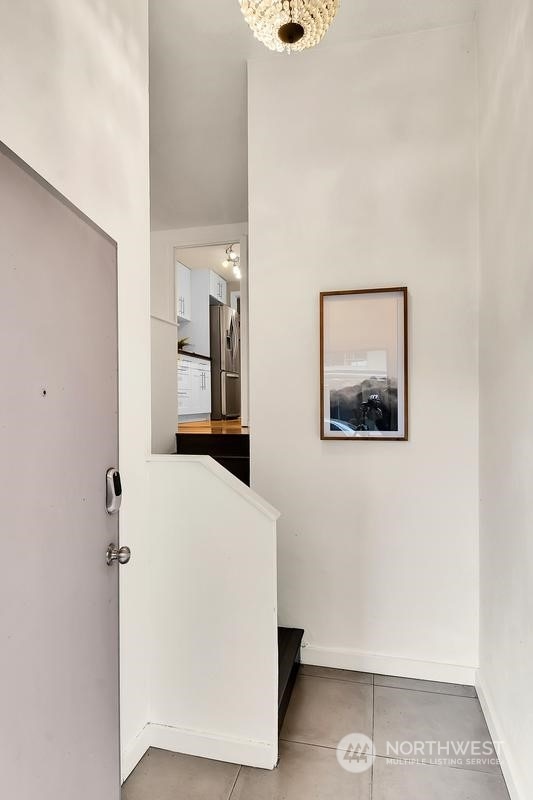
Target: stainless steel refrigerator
{"points": [[225, 363]]}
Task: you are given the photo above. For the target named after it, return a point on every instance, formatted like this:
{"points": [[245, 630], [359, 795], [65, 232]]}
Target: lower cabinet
{"points": [[194, 386], [184, 386]]}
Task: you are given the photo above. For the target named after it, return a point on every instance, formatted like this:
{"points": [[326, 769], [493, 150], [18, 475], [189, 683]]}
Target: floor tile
{"points": [[161, 775], [336, 674], [423, 718], [304, 773], [425, 686], [421, 782], [324, 711]]}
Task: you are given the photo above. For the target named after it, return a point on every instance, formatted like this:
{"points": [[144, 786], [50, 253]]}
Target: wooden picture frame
{"points": [[364, 365]]}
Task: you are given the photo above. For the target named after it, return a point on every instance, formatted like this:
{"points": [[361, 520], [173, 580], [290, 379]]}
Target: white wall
{"points": [[164, 386], [74, 106], [362, 173], [214, 669], [506, 380]]}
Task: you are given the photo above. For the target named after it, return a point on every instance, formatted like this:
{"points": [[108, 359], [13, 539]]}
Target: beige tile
{"points": [[405, 782], [432, 722], [161, 775], [425, 686], [304, 773], [336, 674], [322, 711]]}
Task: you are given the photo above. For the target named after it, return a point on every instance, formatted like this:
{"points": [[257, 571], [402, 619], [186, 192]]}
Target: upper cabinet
{"points": [[196, 291], [183, 292], [218, 288]]}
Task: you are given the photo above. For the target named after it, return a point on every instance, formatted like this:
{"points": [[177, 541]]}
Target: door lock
{"points": [[114, 553], [113, 491]]}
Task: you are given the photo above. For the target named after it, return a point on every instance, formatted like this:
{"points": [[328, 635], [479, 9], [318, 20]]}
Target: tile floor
{"points": [[326, 705]]}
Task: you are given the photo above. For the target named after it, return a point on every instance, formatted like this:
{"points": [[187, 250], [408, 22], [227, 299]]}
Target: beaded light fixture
{"points": [[289, 25]]}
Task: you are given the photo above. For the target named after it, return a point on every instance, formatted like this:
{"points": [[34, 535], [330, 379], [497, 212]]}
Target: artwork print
{"points": [[364, 364]]}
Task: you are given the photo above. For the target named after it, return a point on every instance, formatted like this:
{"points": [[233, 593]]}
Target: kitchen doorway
{"points": [[211, 302]]}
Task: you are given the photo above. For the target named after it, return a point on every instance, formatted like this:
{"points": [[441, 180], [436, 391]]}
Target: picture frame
{"points": [[364, 370]]}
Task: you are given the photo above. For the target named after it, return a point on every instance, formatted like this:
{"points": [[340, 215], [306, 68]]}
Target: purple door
{"points": [[59, 721]]}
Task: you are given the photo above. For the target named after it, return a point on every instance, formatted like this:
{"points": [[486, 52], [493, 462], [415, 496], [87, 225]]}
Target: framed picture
{"points": [[363, 364]]}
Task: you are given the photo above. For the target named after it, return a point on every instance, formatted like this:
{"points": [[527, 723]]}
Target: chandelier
{"points": [[289, 25]]}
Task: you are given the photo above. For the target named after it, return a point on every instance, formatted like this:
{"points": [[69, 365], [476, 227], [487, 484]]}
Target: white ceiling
{"points": [[207, 257], [198, 53]]}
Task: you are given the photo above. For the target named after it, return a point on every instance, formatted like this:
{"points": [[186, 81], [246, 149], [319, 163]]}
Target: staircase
{"points": [[231, 450], [219, 540], [289, 643]]}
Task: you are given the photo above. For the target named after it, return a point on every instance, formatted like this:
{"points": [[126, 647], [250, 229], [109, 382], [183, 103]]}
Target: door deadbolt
{"points": [[114, 553], [113, 491]]}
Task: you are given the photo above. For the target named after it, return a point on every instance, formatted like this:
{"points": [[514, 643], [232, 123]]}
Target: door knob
{"points": [[121, 555]]}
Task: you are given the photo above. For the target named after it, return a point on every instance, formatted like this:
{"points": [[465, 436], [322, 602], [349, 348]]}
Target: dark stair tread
{"points": [[214, 444], [289, 643], [240, 467], [231, 450]]}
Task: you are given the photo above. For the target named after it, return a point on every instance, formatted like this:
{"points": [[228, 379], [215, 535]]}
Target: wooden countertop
{"points": [[215, 426]]}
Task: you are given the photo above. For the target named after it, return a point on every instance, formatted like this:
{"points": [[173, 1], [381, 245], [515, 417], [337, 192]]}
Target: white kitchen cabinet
{"points": [[201, 387], [194, 386], [185, 386], [207, 289], [183, 292], [218, 288]]}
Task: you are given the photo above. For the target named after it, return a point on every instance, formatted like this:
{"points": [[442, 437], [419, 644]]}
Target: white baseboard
{"points": [[134, 751], [209, 745], [340, 658], [508, 764], [194, 743]]}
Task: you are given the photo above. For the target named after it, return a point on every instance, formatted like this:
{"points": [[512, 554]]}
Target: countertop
{"points": [[193, 355]]}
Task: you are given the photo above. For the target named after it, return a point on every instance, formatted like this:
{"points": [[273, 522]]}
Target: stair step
{"points": [[289, 642], [214, 444], [231, 450], [240, 467]]}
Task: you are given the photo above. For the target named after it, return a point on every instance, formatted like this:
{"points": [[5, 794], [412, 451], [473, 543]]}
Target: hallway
{"points": [[326, 705]]}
